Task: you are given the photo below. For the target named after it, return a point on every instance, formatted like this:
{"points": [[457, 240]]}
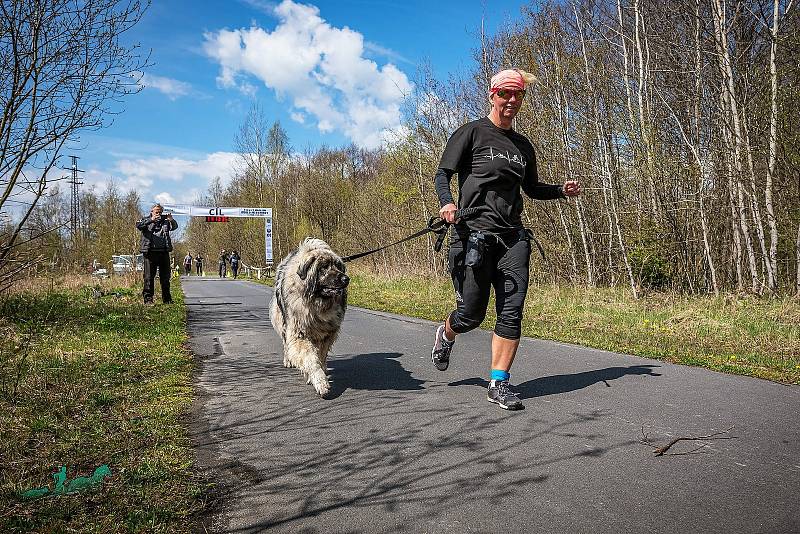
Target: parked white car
{"points": [[127, 263]]}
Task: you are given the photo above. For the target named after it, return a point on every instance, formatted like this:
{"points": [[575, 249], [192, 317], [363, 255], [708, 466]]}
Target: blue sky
{"points": [[332, 72]]}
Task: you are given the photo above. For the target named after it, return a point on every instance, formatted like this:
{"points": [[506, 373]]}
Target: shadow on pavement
{"points": [[388, 466], [376, 371], [392, 454], [555, 384], [296, 462]]}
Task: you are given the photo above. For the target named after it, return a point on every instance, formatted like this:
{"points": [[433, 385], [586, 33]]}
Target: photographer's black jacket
{"points": [[155, 234]]}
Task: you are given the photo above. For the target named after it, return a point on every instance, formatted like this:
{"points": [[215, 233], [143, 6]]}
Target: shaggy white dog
{"points": [[308, 308]]}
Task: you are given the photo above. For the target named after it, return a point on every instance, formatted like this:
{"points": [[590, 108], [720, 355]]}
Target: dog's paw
{"points": [[319, 380], [287, 363], [323, 390]]}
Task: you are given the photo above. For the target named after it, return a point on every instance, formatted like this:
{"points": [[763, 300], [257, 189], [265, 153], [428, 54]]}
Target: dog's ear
{"points": [[302, 269]]}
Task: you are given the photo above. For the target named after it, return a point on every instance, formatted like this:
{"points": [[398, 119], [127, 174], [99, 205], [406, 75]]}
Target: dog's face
{"points": [[324, 275]]}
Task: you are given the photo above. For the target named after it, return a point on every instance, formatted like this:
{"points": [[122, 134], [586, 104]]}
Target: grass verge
{"points": [[89, 379], [748, 336]]}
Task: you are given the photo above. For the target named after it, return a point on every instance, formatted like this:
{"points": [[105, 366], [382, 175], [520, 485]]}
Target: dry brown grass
{"points": [[71, 282]]}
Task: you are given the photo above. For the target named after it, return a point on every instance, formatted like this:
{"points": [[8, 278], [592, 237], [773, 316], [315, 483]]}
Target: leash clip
{"points": [[438, 226]]}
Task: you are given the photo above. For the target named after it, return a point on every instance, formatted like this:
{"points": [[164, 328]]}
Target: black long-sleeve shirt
{"points": [[493, 166]]}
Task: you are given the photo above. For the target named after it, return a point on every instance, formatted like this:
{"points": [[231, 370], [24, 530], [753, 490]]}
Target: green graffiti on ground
{"points": [[75, 485]]}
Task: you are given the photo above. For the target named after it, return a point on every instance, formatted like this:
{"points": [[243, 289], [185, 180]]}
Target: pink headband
{"points": [[507, 79]]}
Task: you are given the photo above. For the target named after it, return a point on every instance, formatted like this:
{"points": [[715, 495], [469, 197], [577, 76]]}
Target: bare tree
{"points": [[609, 193], [797, 260], [773, 140], [263, 153], [62, 70]]}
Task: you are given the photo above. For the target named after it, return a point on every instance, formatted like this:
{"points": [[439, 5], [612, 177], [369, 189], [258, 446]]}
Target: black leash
{"points": [[536, 242], [436, 225]]}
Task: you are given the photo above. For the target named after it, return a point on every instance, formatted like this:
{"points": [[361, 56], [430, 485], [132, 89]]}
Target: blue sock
{"points": [[499, 374]]}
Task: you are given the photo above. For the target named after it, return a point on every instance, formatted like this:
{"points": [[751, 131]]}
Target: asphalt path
{"points": [[402, 447]]}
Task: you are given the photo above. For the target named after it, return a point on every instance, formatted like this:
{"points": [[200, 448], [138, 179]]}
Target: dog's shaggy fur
{"points": [[308, 308]]}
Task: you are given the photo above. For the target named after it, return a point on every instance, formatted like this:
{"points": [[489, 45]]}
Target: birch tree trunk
{"points": [[729, 98], [605, 168], [706, 241], [735, 227], [751, 255], [600, 154], [567, 167], [773, 141], [625, 77], [698, 150], [563, 115], [758, 222], [632, 119], [797, 258], [644, 119]]}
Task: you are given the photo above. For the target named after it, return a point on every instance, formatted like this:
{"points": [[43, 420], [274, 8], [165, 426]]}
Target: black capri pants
{"points": [[505, 267]]}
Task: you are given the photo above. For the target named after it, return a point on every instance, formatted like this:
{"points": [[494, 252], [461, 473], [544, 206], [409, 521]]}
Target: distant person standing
{"points": [[198, 262], [156, 244], [235, 259], [187, 263], [222, 263]]}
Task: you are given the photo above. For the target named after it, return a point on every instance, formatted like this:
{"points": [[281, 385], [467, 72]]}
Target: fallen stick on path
{"points": [[659, 451]]}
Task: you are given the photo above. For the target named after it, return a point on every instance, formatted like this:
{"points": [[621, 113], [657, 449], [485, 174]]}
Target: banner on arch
{"points": [[204, 211]]}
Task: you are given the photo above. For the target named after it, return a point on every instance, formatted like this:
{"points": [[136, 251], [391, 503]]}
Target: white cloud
{"points": [[261, 5], [397, 135], [248, 89], [165, 179], [169, 86], [165, 198], [234, 106], [377, 49], [320, 69], [148, 170]]}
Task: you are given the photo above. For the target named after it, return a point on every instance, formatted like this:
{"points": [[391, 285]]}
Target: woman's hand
{"points": [[448, 213], [571, 188]]}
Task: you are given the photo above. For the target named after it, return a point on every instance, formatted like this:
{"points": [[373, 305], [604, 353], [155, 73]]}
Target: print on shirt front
{"points": [[491, 153], [498, 170]]}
